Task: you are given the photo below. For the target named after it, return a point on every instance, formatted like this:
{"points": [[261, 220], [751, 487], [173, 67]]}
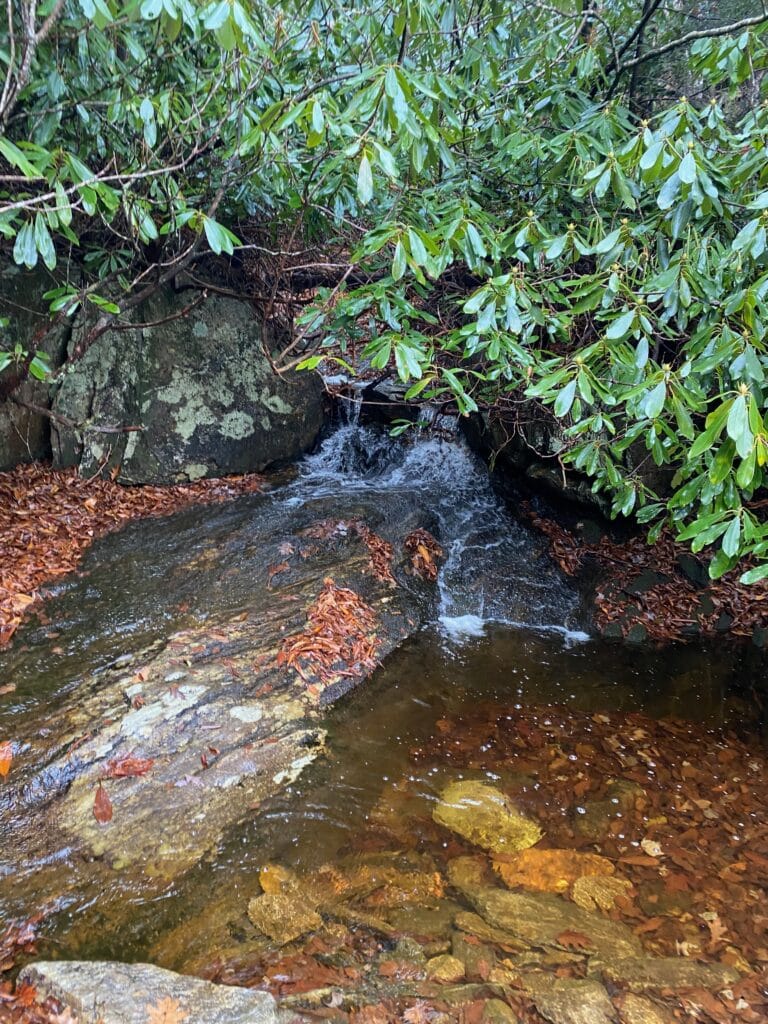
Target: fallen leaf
{"points": [[102, 806], [26, 994], [166, 1011], [652, 848], [6, 756], [717, 931], [574, 940], [275, 570], [420, 1013], [7, 688], [128, 767]]}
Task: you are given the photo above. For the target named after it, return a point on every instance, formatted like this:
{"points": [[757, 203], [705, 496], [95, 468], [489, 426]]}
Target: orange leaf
{"points": [[102, 806], [6, 756], [166, 1011], [575, 940], [26, 994]]}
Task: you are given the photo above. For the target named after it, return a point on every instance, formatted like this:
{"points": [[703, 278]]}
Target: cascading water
{"points": [[495, 569]]}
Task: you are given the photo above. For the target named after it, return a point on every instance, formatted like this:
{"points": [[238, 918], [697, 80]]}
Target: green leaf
{"points": [[719, 565], [44, 242], [653, 403], [565, 398], [365, 180], [398, 261], [737, 426], [621, 327], [16, 158], [25, 248], [687, 169], [668, 192], [760, 572], [732, 537]]}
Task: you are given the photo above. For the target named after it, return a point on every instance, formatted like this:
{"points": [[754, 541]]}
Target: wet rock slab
{"points": [[541, 920], [216, 722], [648, 974], [114, 993], [570, 1001]]}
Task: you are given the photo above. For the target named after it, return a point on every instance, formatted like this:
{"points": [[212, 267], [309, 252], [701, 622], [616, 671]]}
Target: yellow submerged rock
{"points": [[486, 817], [551, 870]]}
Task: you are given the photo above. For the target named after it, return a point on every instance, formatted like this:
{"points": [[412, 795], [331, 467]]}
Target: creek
{"points": [[499, 682]]}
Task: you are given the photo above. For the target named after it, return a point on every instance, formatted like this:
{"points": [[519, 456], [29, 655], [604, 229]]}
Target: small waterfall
{"points": [[495, 569]]}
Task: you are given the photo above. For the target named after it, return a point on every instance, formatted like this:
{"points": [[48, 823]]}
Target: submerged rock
{"points": [[551, 870], [649, 974], [115, 993], [486, 817], [541, 920], [282, 917], [446, 969], [496, 1011], [220, 723], [639, 1010], [594, 821], [599, 893], [570, 1000], [478, 958]]}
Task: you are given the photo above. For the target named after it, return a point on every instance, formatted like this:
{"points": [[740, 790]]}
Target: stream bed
{"points": [[354, 888]]}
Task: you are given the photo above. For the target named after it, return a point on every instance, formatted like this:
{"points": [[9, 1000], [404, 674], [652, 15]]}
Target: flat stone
{"points": [[539, 919], [115, 993], [479, 959], [496, 1011], [570, 1001], [595, 822], [486, 817], [446, 968], [282, 917], [598, 893], [468, 873], [648, 974], [473, 924], [635, 1009]]}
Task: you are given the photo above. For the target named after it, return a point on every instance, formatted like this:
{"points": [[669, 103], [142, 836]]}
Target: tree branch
{"points": [[689, 37], [65, 421]]}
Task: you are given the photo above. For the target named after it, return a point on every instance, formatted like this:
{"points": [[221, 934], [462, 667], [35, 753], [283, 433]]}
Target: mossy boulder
{"points": [[198, 388]]}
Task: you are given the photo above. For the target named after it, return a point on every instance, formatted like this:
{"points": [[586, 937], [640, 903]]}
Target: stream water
{"points": [[505, 685]]}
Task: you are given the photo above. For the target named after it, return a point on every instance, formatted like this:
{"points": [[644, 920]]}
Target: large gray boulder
{"points": [[104, 992], [198, 386], [25, 434]]}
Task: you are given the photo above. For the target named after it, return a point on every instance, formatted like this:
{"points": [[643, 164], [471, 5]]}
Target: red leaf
{"points": [[102, 806], [128, 767]]}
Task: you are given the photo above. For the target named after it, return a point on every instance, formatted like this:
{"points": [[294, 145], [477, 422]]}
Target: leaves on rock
{"points": [[425, 553], [128, 767], [339, 639], [102, 806]]}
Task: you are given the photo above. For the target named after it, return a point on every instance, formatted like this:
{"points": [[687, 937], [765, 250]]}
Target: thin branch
{"points": [[704, 33], [65, 421]]}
